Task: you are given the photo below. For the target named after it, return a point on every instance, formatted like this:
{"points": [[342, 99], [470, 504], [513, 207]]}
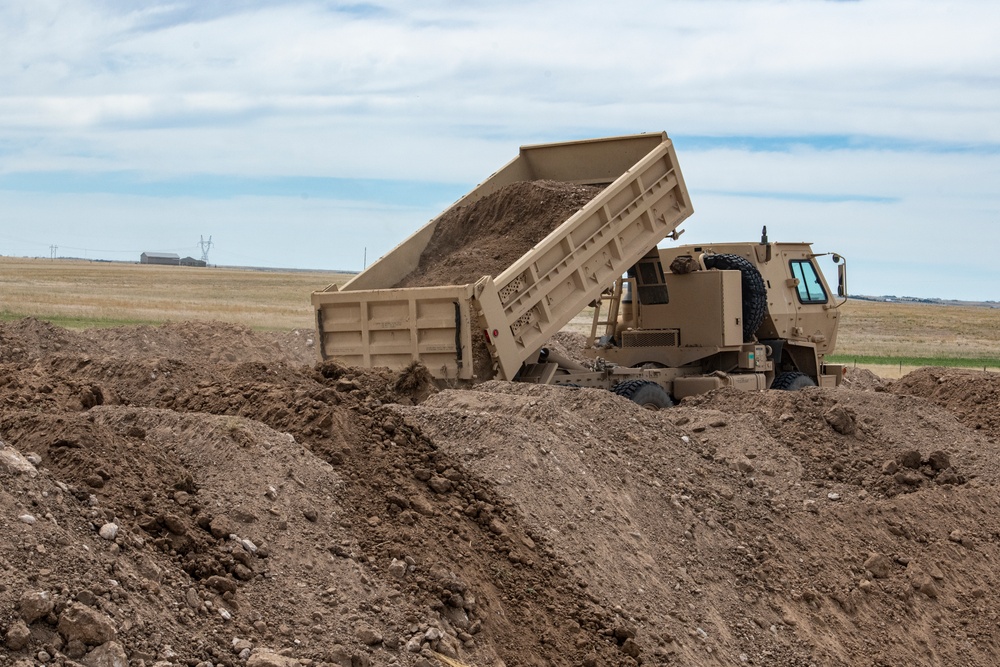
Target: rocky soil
{"points": [[199, 494]]}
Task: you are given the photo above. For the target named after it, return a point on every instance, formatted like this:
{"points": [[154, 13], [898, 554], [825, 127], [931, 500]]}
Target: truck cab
{"points": [[745, 314]]}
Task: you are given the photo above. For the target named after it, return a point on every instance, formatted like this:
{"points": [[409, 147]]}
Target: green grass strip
{"points": [[947, 362], [78, 322]]}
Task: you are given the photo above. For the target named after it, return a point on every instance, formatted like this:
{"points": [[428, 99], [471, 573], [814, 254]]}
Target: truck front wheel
{"points": [[792, 381], [648, 394]]}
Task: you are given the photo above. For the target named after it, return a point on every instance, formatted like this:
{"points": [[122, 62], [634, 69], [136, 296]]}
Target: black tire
{"points": [[645, 393], [754, 290], [792, 381]]}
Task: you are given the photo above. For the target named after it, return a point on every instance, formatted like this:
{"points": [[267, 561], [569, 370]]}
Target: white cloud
{"points": [[443, 91]]}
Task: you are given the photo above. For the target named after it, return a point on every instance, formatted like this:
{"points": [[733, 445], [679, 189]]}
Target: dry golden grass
{"points": [[80, 294], [869, 328]]}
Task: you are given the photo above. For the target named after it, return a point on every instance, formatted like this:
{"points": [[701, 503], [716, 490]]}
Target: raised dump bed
{"points": [[486, 327]]}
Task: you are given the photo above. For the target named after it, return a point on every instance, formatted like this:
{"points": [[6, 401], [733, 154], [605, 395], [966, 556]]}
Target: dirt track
{"points": [[200, 493]]}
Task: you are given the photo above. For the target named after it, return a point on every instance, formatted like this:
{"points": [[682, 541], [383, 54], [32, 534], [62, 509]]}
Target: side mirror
{"points": [[841, 278]]}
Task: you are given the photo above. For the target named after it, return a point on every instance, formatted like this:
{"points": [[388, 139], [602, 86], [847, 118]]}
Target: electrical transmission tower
{"points": [[205, 247]]}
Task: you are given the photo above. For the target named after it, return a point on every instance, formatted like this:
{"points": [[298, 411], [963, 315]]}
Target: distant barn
{"points": [[168, 258], [191, 261]]}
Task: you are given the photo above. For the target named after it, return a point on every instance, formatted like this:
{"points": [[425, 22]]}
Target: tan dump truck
{"points": [[667, 323]]}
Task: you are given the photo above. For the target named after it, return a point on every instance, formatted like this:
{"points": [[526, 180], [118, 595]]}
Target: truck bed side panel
{"points": [[392, 328]]}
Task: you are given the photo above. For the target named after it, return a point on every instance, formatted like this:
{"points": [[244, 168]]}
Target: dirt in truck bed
{"points": [[199, 494], [487, 236]]}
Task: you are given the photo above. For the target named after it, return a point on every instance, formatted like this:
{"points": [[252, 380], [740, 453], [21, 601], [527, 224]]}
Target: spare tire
{"points": [[792, 381], [644, 392], [754, 290]]}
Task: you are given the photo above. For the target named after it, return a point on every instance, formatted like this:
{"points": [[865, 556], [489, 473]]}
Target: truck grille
{"points": [[659, 338]]}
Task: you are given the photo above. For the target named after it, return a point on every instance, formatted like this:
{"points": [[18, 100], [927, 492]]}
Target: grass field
{"points": [[80, 294], [894, 338], [890, 338]]}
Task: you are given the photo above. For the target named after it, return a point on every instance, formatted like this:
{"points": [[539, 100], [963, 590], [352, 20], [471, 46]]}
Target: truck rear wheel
{"points": [[648, 394], [792, 381], [754, 290]]}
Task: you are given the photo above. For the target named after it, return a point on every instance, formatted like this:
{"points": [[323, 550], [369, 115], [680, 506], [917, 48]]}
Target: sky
{"points": [[319, 135]]}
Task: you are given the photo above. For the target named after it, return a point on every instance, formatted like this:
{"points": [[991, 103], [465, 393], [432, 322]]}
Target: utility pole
{"points": [[53, 251], [205, 247]]}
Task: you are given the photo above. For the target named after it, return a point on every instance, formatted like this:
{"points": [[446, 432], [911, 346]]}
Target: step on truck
{"points": [[667, 323]]}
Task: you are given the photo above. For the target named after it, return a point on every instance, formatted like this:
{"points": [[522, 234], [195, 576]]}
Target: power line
{"points": [[205, 247]]}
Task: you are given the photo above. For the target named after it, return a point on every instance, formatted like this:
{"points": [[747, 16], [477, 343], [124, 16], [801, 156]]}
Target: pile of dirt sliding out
{"points": [[201, 494], [487, 236]]}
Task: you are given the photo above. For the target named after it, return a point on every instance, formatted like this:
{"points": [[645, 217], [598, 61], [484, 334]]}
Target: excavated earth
{"points": [[487, 236], [200, 494]]}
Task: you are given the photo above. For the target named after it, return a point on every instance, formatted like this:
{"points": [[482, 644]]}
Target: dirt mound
{"points": [[864, 380], [200, 512], [973, 396], [751, 528], [489, 235], [194, 493], [570, 345], [31, 339]]}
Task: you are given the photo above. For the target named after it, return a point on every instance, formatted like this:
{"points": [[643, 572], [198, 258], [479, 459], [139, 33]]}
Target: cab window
{"points": [[810, 287]]}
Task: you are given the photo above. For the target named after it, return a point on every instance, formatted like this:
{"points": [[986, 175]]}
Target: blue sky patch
{"points": [[210, 186], [812, 197]]}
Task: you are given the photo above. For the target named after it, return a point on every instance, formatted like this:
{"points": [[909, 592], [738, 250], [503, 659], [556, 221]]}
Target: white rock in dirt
{"points": [[240, 645], [397, 568], [13, 462], [267, 658], [28, 519], [110, 654], [109, 531]]}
